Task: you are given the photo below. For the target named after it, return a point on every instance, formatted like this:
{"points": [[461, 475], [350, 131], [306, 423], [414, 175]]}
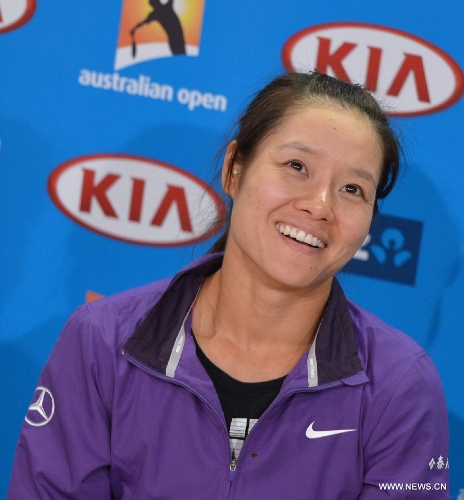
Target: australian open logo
{"points": [[150, 29], [390, 251]]}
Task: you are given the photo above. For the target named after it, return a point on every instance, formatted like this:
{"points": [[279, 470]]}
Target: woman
{"points": [[156, 389]]}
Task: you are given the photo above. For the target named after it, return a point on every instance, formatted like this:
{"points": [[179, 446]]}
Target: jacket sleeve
{"points": [[63, 449], [406, 454]]}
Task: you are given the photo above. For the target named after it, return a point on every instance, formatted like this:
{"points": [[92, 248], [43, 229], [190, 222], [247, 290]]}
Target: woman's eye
{"points": [[353, 189], [297, 166]]}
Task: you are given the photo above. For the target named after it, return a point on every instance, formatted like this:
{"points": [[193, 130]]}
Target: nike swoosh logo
{"points": [[312, 434]]}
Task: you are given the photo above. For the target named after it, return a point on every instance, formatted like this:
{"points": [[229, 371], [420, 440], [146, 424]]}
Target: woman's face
{"points": [[304, 204]]}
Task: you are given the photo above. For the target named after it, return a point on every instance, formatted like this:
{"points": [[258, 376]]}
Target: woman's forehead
{"points": [[301, 121]]}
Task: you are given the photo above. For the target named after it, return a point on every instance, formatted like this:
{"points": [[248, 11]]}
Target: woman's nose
{"points": [[318, 203]]}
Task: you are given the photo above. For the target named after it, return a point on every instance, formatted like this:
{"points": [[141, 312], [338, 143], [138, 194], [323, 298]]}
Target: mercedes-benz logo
{"points": [[41, 411]]}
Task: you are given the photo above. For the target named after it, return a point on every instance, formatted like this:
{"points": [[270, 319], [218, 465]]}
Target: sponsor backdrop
{"points": [[111, 117]]}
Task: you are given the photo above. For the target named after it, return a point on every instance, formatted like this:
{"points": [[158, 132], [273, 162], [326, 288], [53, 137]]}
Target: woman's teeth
{"points": [[299, 235]]}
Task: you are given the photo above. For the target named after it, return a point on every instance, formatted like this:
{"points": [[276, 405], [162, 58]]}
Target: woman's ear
{"points": [[230, 170]]}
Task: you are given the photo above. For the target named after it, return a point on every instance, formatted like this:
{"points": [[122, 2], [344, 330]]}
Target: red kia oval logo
{"points": [[15, 13], [136, 199], [409, 75]]}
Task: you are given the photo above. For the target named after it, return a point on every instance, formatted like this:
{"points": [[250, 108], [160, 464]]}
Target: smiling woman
{"points": [[249, 374], [316, 172]]}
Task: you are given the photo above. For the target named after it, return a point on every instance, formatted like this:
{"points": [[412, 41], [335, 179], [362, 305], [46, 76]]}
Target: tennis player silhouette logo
{"points": [[153, 29], [165, 15]]}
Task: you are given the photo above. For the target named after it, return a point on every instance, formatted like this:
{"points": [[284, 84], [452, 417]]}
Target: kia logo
{"points": [[136, 199], [410, 75], [15, 13]]}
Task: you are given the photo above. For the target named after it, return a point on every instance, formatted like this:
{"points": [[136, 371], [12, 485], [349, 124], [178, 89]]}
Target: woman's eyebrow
{"points": [[300, 146], [365, 174]]}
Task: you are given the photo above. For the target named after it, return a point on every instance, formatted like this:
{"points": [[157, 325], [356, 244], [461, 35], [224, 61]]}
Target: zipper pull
{"points": [[232, 468]]}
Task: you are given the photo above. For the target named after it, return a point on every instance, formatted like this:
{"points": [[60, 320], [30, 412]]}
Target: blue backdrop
{"points": [[108, 143]]}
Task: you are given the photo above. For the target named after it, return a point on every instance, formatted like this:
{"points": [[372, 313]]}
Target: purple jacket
{"points": [[125, 410]]}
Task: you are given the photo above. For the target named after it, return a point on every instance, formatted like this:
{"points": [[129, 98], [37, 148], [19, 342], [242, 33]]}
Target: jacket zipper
{"points": [[233, 462], [146, 369], [232, 468]]}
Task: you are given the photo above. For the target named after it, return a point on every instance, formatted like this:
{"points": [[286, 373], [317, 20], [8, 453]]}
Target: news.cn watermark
{"points": [[412, 486], [434, 463]]}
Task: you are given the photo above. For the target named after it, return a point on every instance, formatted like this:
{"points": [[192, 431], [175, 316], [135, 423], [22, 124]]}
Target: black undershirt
{"points": [[243, 403]]}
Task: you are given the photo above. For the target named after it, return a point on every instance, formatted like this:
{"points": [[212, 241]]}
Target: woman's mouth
{"points": [[299, 235]]}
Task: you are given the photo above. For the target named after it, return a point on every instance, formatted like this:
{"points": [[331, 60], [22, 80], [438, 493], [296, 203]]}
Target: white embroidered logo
{"points": [[41, 411], [313, 434]]}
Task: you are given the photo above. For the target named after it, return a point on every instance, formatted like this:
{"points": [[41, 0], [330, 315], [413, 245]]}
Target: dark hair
{"points": [[297, 90]]}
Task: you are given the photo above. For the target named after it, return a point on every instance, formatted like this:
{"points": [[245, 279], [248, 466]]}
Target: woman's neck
{"points": [[252, 330]]}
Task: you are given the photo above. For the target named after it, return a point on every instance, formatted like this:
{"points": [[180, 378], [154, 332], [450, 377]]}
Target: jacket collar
{"points": [[159, 341], [334, 353]]}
